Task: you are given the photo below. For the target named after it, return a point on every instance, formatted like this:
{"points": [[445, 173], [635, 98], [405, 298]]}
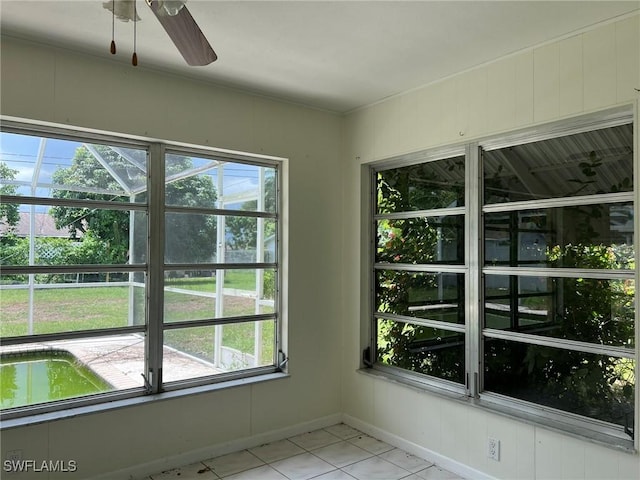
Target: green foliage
{"points": [[601, 312], [14, 250], [191, 237], [109, 227], [57, 251], [421, 349], [9, 214], [599, 386], [597, 311], [243, 230], [590, 310], [87, 173], [589, 171], [420, 240], [415, 241], [269, 281], [421, 187]]}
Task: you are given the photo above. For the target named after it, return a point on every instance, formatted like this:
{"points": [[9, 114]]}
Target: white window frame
{"points": [[154, 269], [475, 271]]}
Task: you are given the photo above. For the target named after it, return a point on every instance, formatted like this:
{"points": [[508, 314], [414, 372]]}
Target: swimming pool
{"points": [[27, 378]]}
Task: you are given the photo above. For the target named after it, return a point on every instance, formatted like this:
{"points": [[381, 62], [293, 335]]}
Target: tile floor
{"points": [[339, 452]]}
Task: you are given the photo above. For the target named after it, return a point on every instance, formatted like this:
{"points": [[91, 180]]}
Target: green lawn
{"points": [[71, 309], [240, 279], [200, 341], [63, 309]]}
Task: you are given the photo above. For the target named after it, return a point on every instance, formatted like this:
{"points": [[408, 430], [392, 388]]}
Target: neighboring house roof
{"points": [[45, 226]]}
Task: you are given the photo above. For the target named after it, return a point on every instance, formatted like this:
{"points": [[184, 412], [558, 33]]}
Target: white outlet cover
{"points": [[493, 449]]}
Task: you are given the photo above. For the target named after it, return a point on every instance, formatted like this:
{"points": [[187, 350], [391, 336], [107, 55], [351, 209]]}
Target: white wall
{"points": [[57, 86], [586, 72]]}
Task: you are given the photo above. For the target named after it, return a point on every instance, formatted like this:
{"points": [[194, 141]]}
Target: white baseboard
{"points": [[413, 448], [167, 463], [143, 470]]}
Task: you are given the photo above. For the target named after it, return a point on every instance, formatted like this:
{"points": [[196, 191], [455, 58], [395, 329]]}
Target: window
{"points": [[131, 268], [419, 268], [220, 270], [539, 228]]}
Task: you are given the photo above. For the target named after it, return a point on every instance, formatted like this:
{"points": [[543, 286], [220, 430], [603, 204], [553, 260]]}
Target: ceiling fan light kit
{"points": [[170, 7], [123, 10], [176, 20]]}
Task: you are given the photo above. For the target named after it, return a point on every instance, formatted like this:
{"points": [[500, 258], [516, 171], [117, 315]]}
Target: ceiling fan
{"points": [[176, 20]]}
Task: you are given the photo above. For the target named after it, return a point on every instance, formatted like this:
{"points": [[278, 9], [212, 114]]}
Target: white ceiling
{"points": [[333, 55]]}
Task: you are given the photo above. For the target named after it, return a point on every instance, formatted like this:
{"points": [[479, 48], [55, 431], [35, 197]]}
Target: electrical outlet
{"points": [[493, 449], [14, 455]]}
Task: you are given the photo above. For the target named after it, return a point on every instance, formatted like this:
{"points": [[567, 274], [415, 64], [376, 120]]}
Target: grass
{"points": [[200, 341], [65, 309], [72, 309], [239, 279]]}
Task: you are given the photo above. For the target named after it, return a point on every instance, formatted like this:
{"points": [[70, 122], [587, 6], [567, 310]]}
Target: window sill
{"points": [[38, 418], [580, 432]]}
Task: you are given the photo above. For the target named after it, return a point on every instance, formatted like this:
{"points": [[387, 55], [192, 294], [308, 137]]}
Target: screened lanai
{"points": [[146, 283]]}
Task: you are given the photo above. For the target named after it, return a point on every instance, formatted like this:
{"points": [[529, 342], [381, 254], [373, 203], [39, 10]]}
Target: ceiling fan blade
{"points": [[185, 34]]}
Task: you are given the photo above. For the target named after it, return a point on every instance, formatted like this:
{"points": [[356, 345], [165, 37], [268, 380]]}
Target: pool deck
{"points": [[120, 359]]}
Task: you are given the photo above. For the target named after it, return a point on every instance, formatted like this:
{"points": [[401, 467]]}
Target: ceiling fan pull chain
{"points": [[113, 27], [134, 58]]}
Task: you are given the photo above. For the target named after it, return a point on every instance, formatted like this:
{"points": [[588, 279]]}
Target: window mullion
{"points": [[566, 344], [436, 212], [371, 260], [453, 327], [420, 267], [602, 198], [636, 248], [155, 281], [473, 263]]}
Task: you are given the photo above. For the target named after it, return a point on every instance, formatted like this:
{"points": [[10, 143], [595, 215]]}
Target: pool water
{"points": [[27, 379]]}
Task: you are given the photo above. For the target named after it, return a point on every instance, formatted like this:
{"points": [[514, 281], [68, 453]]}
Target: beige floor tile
{"points": [[315, 439], [233, 463]]}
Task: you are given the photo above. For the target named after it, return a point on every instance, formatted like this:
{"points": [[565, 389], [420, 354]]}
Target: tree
{"points": [[243, 230], [12, 251], [417, 241], [190, 237], [110, 226], [9, 212], [591, 310]]}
